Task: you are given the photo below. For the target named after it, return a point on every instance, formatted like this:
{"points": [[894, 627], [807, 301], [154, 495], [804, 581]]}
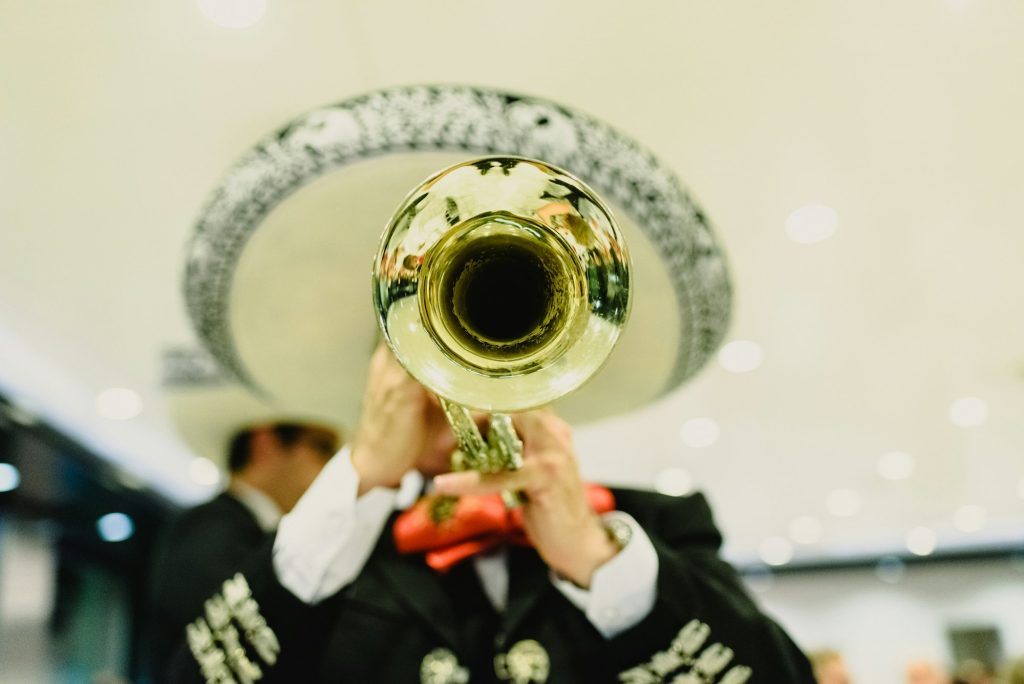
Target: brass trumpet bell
{"points": [[502, 283]]}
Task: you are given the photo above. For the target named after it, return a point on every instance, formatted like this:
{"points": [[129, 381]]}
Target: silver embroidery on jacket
{"points": [[737, 675], [713, 660], [211, 659], [685, 663], [216, 642], [440, 666], [525, 663]]}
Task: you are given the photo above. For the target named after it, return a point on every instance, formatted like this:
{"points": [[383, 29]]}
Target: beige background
{"points": [[116, 120]]}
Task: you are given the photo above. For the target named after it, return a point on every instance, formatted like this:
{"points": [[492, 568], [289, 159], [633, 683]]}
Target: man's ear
{"points": [[262, 444]]}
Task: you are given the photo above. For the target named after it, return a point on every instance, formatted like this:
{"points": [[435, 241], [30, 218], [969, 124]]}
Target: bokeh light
{"points": [[118, 403], [699, 432], [921, 541], [896, 465], [968, 412], [10, 477], [673, 482], [115, 527], [776, 551], [740, 356], [844, 503], [812, 223]]}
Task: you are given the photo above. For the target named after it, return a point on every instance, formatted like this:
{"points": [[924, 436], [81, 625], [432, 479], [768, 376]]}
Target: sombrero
{"points": [[277, 280]]}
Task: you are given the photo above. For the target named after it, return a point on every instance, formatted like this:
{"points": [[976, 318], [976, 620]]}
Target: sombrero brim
{"points": [[278, 274], [208, 408]]}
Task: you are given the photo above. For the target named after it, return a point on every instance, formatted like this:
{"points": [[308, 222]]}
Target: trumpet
{"points": [[500, 284]]}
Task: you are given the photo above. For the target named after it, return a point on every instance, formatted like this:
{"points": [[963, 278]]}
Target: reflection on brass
{"points": [[501, 284], [504, 297]]}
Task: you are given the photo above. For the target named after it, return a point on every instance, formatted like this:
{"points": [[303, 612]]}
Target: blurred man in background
{"points": [[270, 466]]}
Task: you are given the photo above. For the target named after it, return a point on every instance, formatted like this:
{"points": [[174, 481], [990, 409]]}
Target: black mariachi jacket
{"points": [[401, 622], [199, 550]]}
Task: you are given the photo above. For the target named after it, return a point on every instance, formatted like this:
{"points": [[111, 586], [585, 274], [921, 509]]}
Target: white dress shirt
{"points": [[324, 542]]}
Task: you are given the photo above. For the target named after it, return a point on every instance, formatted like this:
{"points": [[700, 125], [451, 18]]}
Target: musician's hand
{"points": [[558, 519], [402, 426]]}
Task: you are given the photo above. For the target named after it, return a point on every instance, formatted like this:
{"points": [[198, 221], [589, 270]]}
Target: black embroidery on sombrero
{"points": [[446, 119]]}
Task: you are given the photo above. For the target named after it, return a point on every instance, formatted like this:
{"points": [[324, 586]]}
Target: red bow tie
{"points": [[452, 530]]}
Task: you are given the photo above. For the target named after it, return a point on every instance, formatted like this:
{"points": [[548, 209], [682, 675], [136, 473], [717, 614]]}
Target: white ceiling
{"points": [[903, 117]]}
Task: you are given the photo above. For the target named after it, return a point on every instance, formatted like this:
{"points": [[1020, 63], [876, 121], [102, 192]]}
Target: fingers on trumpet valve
{"points": [[474, 483]]}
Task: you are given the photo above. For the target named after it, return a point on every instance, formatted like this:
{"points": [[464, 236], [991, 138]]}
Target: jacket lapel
{"points": [[528, 583], [419, 588]]}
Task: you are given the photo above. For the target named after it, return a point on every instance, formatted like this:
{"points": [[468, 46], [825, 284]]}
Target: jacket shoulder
{"points": [[678, 520], [222, 515]]}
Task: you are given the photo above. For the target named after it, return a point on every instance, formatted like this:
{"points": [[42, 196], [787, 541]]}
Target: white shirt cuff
{"points": [[623, 590], [324, 542]]}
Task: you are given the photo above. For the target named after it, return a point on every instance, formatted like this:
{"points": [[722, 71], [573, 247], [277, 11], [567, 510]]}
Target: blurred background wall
{"points": [[881, 618]]}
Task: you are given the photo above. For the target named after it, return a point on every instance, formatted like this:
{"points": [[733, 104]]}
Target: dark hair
{"points": [[288, 434]]}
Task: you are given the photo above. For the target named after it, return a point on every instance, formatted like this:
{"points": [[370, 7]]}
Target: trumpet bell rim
{"points": [[486, 199]]}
